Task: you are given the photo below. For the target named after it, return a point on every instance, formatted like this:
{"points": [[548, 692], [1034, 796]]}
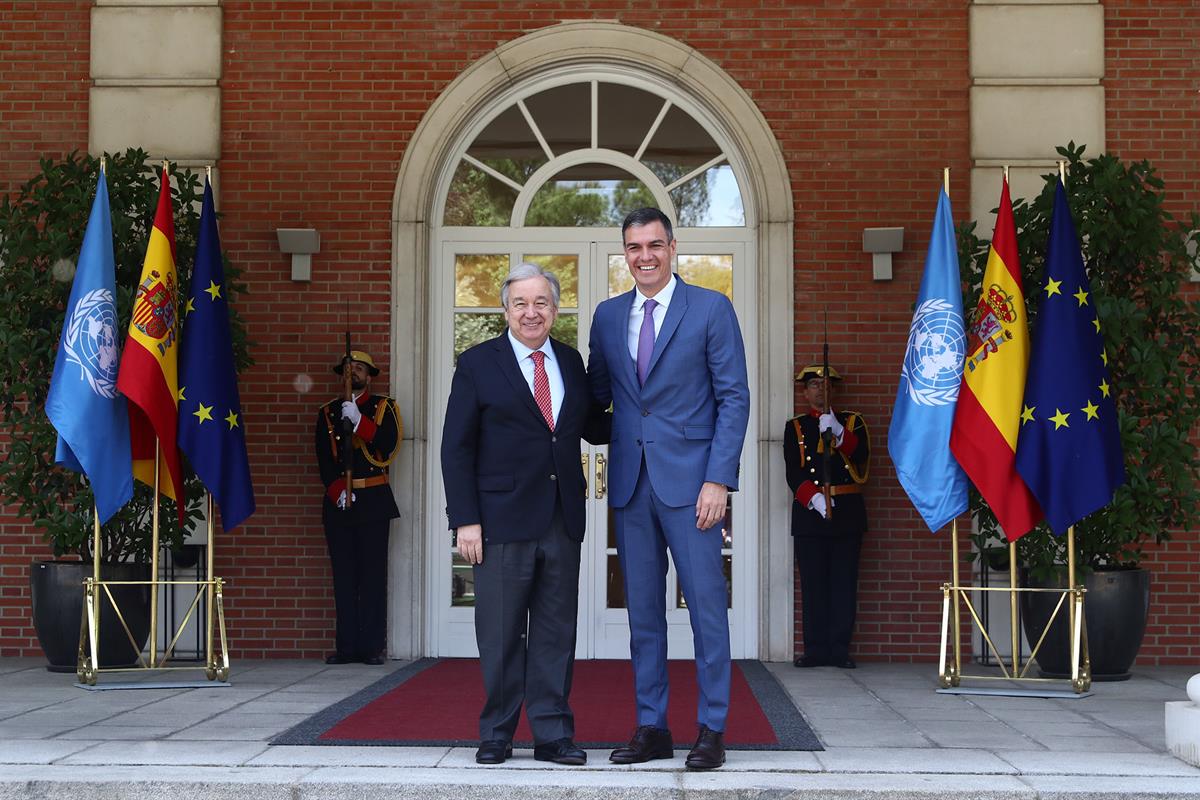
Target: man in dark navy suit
{"points": [[515, 495]]}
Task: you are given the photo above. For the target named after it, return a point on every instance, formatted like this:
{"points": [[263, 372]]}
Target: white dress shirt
{"points": [[553, 374], [663, 298]]}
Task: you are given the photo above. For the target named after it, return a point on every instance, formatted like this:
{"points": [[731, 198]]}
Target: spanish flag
{"points": [[984, 435], [149, 375]]}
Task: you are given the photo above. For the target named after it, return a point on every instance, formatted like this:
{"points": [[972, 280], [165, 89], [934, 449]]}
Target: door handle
{"points": [[583, 462], [601, 475]]}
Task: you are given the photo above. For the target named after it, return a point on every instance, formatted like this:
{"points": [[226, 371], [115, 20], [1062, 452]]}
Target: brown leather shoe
{"points": [[648, 743], [709, 752]]}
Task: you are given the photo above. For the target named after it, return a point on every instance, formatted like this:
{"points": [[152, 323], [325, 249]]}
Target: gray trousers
{"points": [[526, 601]]}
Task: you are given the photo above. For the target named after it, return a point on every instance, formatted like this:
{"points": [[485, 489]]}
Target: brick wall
{"points": [[868, 102], [43, 112], [1152, 89]]}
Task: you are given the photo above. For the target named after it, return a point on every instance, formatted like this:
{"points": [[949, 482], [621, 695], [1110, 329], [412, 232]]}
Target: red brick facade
{"points": [[868, 102]]}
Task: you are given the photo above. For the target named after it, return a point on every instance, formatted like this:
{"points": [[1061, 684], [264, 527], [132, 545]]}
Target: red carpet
{"points": [[438, 702]]}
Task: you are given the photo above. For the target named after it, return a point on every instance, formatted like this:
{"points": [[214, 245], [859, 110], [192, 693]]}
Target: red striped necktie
{"points": [[541, 387]]}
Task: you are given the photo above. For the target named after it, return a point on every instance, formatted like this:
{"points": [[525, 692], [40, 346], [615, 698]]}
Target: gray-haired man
{"points": [[515, 495]]}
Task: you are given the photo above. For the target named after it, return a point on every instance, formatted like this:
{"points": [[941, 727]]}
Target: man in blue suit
{"points": [[515, 497], [669, 357]]}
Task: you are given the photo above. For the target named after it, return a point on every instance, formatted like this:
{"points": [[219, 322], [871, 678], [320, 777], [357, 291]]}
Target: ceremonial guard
{"points": [[826, 454], [357, 437]]}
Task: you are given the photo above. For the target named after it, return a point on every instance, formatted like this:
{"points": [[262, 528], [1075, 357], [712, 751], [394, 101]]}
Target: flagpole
{"points": [[154, 565], [946, 180], [1012, 606], [94, 647], [209, 660], [954, 583]]}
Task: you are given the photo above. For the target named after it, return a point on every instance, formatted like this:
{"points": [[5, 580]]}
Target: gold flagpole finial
{"points": [[1062, 172], [208, 173], [103, 164], [166, 166], [1006, 173], [946, 180]]}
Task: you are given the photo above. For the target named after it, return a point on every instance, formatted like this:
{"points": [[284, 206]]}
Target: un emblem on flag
{"points": [[933, 362], [90, 340]]}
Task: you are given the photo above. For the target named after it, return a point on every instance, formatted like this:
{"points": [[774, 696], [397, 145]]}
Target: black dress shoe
{"points": [[709, 752], [560, 751], [340, 658], [648, 743], [493, 751], [845, 663], [807, 662], [376, 660]]}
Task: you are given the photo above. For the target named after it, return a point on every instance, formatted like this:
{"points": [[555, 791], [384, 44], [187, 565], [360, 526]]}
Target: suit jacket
{"points": [[803, 458], [502, 466], [375, 444], [689, 419]]}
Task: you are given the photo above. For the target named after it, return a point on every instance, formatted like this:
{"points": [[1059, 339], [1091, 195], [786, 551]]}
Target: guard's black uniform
{"points": [[827, 550], [358, 537]]}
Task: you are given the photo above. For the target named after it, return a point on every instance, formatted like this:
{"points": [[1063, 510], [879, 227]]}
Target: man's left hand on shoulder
{"points": [[710, 505]]}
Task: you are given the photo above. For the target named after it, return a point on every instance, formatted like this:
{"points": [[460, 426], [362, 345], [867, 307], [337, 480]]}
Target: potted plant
{"points": [[41, 231], [1138, 261]]}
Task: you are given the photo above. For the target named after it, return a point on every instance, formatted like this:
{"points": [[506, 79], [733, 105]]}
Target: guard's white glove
{"points": [[817, 504], [350, 411], [341, 503], [829, 422]]}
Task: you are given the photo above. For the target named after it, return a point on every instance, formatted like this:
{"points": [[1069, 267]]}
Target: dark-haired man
{"points": [[669, 357]]}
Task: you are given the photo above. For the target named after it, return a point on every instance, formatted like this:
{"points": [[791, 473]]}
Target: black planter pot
{"points": [[57, 589], [1116, 607]]}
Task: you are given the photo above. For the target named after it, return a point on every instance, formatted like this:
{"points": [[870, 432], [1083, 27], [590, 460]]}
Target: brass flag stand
{"points": [[216, 661], [954, 596]]}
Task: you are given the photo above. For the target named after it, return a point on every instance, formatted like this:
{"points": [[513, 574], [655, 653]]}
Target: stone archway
{"points": [[767, 190]]}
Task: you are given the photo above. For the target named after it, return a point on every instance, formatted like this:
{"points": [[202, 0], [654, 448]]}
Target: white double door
{"points": [[589, 272]]}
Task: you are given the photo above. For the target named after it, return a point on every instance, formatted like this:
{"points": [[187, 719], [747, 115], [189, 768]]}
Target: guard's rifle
{"points": [[827, 434], [347, 425]]}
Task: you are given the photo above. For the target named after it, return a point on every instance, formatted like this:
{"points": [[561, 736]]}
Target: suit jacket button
{"points": [[645, 412], [554, 438], [553, 477], [639, 442]]}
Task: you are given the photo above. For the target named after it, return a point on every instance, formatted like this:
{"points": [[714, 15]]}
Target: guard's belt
{"points": [[842, 488], [375, 480]]}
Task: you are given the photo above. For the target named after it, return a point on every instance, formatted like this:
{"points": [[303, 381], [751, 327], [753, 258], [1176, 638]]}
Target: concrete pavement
{"points": [[885, 730]]}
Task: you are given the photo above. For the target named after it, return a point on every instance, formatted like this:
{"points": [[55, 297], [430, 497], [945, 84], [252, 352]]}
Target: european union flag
{"points": [[210, 412], [1069, 445], [919, 435], [83, 404]]}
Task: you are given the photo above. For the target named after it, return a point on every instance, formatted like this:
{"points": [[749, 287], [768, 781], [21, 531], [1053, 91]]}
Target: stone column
{"points": [[155, 65], [1036, 68]]}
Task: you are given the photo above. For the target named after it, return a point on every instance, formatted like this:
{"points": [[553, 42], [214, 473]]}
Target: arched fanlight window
{"points": [[584, 154]]}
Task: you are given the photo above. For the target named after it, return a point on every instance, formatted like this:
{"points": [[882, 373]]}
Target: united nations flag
{"points": [[83, 405], [919, 435]]}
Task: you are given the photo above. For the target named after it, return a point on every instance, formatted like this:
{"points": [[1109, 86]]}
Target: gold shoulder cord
{"points": [[329, 428], [385, 405], [851, 420], [799, 437]]}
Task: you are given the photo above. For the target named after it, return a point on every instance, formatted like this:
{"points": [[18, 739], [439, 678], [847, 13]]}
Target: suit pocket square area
{"points": [[495, 483], [698, 431]]}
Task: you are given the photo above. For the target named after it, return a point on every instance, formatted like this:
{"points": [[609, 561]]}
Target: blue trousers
{"points": [[646, 529]]}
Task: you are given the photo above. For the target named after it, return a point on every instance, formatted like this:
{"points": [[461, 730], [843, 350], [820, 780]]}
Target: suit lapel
{"points": [[507, 360], [674, 316], [569, 381]]}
